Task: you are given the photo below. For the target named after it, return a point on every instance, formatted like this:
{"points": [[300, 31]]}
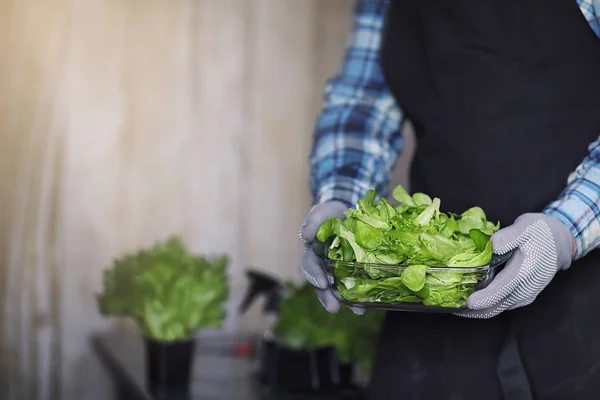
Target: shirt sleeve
{"points": [[578, 206], [357, 137], [591, 12]]}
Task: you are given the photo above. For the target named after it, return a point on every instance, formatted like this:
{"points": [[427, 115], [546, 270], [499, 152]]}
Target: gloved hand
{"points": [[543, 244], [311, 267]]}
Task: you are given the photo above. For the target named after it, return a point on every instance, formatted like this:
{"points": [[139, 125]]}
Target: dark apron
{"points": [[504, 96]]}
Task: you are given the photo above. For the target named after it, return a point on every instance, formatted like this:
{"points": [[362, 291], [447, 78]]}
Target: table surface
{"points": [[215, 373]]}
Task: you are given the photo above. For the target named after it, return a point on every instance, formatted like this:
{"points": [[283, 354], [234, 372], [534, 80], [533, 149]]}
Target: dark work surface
{"points": [[215, 373]]}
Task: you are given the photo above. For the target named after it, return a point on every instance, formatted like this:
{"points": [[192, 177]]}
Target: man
{"points": [[504, 96]]}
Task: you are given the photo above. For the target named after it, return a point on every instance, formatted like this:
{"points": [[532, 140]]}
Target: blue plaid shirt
{"points": [[357, 138]]}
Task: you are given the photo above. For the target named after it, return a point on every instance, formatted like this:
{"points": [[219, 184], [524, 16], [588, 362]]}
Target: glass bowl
{"points": [[383, 286]]}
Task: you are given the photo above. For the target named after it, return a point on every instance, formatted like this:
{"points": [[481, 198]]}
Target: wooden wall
{"points": [[124, 121]]}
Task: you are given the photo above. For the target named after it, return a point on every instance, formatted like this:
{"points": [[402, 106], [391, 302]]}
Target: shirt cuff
{"points": [[576, 209]]}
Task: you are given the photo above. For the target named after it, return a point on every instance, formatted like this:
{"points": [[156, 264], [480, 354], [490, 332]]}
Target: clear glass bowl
{"points": [[445, 290]]}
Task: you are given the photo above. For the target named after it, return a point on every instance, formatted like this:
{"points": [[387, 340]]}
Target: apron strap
{"points": [[511, 371]]}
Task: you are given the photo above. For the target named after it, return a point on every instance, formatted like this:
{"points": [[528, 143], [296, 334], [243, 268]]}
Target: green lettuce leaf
{"points": [[169, 291], [417, 234]]}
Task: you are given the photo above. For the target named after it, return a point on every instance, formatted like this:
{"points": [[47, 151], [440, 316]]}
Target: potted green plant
{"points": [[172, 294], [318, 351]]}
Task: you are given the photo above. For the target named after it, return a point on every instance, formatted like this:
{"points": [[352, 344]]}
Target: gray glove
{"points": [[544, 246], [311, 267]]}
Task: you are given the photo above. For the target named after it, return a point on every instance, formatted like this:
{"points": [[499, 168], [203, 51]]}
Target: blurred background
{"points": [[122, 122]]}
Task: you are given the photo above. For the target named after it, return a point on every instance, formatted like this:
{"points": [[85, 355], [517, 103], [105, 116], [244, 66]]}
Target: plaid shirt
{"points": [[357, 138]]}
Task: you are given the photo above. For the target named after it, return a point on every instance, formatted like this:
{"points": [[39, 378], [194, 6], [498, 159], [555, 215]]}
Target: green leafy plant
{"points": [[415, 235], [304, 324], [170, 292]]}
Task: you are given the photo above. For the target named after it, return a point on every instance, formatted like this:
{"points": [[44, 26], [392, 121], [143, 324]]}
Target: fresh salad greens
{"points": [[169, 291], [304, 324], [416, 235]]}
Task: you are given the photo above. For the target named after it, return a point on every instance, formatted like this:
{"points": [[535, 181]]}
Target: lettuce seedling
{"points": [[169, 291], [305, 325]]}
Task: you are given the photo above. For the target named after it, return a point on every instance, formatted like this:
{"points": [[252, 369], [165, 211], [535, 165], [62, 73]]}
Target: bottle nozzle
{"points": [[261, 283]]}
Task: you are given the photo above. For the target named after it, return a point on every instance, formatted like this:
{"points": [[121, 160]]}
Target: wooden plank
{"points": [[278, 135], [213, 195], [295, 46]]}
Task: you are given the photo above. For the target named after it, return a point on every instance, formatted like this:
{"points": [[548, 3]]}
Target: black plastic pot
{"points": [[303, 371], [169, 364]]}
